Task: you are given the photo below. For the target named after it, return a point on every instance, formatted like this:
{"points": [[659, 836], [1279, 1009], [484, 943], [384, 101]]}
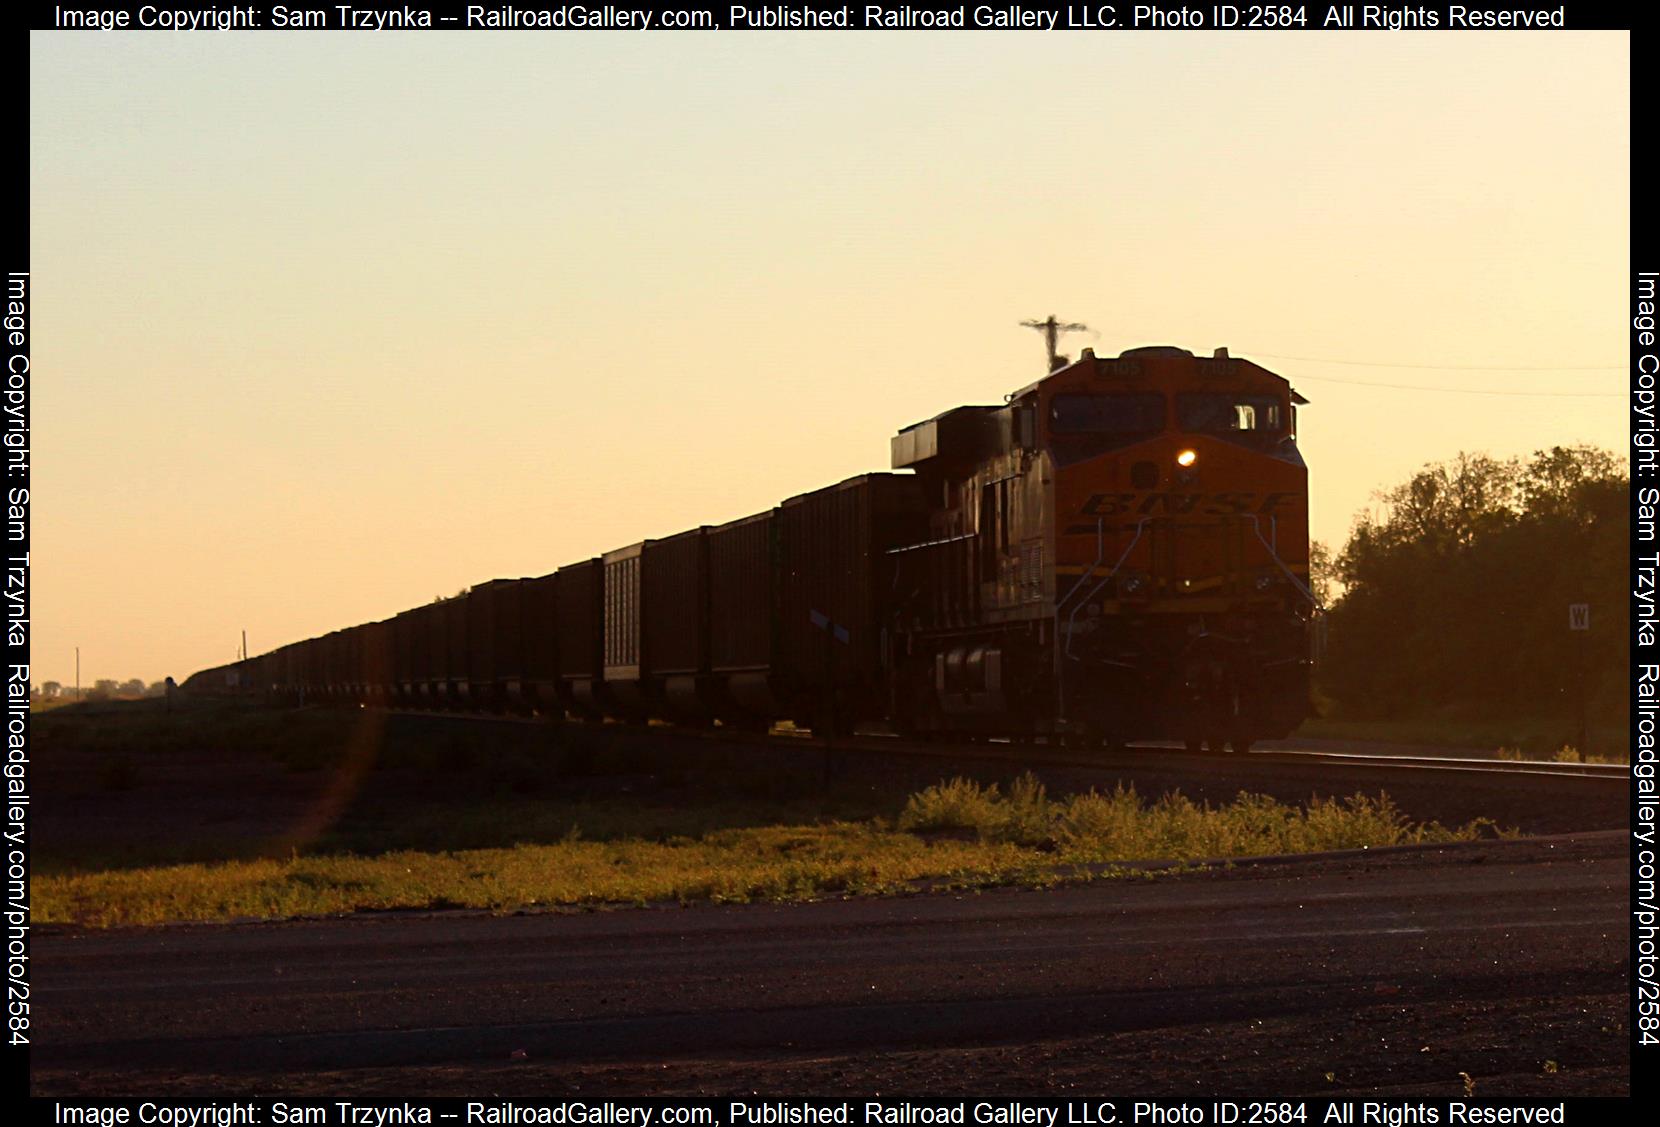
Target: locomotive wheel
{"points": [[1216, 744], [1241, 745], [1194, 744]]}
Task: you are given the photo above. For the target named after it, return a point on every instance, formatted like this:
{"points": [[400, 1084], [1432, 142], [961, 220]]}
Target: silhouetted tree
{"points": [[1455, 595], [1322, 573]]}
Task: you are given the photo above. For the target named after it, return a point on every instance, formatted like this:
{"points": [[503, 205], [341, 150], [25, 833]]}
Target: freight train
{"points": [[1117, 552]]}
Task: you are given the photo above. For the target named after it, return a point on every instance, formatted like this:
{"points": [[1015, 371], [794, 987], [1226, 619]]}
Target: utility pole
{"points": [[244, 645], [77, 673], [1052, 330]]}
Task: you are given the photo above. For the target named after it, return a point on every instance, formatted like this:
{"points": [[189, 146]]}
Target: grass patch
{"points": [[1022, 836], [771, 863], [1095, 827]]}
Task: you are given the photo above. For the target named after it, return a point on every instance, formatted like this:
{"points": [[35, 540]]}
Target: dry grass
{"points": [[772, 863], [1095, 827], [1563, 754], [1022, 837]]}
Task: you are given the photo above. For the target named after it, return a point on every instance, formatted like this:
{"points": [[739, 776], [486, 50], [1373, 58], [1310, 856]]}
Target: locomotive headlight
{"points": [[1186, 458], [1264, 582]]}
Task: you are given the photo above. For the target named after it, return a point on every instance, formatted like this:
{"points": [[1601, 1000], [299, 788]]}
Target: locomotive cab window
{"points": [[1106, 414], [1085, 426], [1240, 416]]}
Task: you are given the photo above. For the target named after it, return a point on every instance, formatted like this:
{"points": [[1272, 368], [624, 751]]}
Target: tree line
{"points": [[105, 688], [1452, 597]]}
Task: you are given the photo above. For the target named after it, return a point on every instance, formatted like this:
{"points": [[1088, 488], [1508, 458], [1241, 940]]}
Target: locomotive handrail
{"points": [[1100, 552], [1140, 526], [1302, 589]]}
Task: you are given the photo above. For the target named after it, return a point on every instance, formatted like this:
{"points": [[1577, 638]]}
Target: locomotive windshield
{"points": [[1227, 413], [1138, 413]]}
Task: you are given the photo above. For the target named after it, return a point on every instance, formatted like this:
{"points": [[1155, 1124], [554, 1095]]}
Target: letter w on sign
{"points": [[1579, 616]]}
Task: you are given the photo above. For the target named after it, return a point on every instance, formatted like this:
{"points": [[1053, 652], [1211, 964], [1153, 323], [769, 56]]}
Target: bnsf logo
{"points": [[1205, 504]]}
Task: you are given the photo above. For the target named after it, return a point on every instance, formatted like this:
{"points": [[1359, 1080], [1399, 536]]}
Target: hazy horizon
{"points": [[329, 325]]}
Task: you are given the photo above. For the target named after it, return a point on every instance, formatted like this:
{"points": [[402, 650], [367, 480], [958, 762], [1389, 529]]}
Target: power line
{"points": [[1446, 367], [1466, 390]]}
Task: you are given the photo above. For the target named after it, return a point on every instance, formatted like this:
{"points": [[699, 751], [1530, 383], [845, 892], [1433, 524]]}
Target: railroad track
{"points": [[1354, 760], [1134, 756], [1143, 755], [1618, 772]]}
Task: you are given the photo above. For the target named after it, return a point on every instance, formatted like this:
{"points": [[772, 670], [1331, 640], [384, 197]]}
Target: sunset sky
{"points": [[327, 325]]}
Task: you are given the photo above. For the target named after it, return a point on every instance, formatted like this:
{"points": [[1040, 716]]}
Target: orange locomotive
{"points": [[1120, 552]]}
